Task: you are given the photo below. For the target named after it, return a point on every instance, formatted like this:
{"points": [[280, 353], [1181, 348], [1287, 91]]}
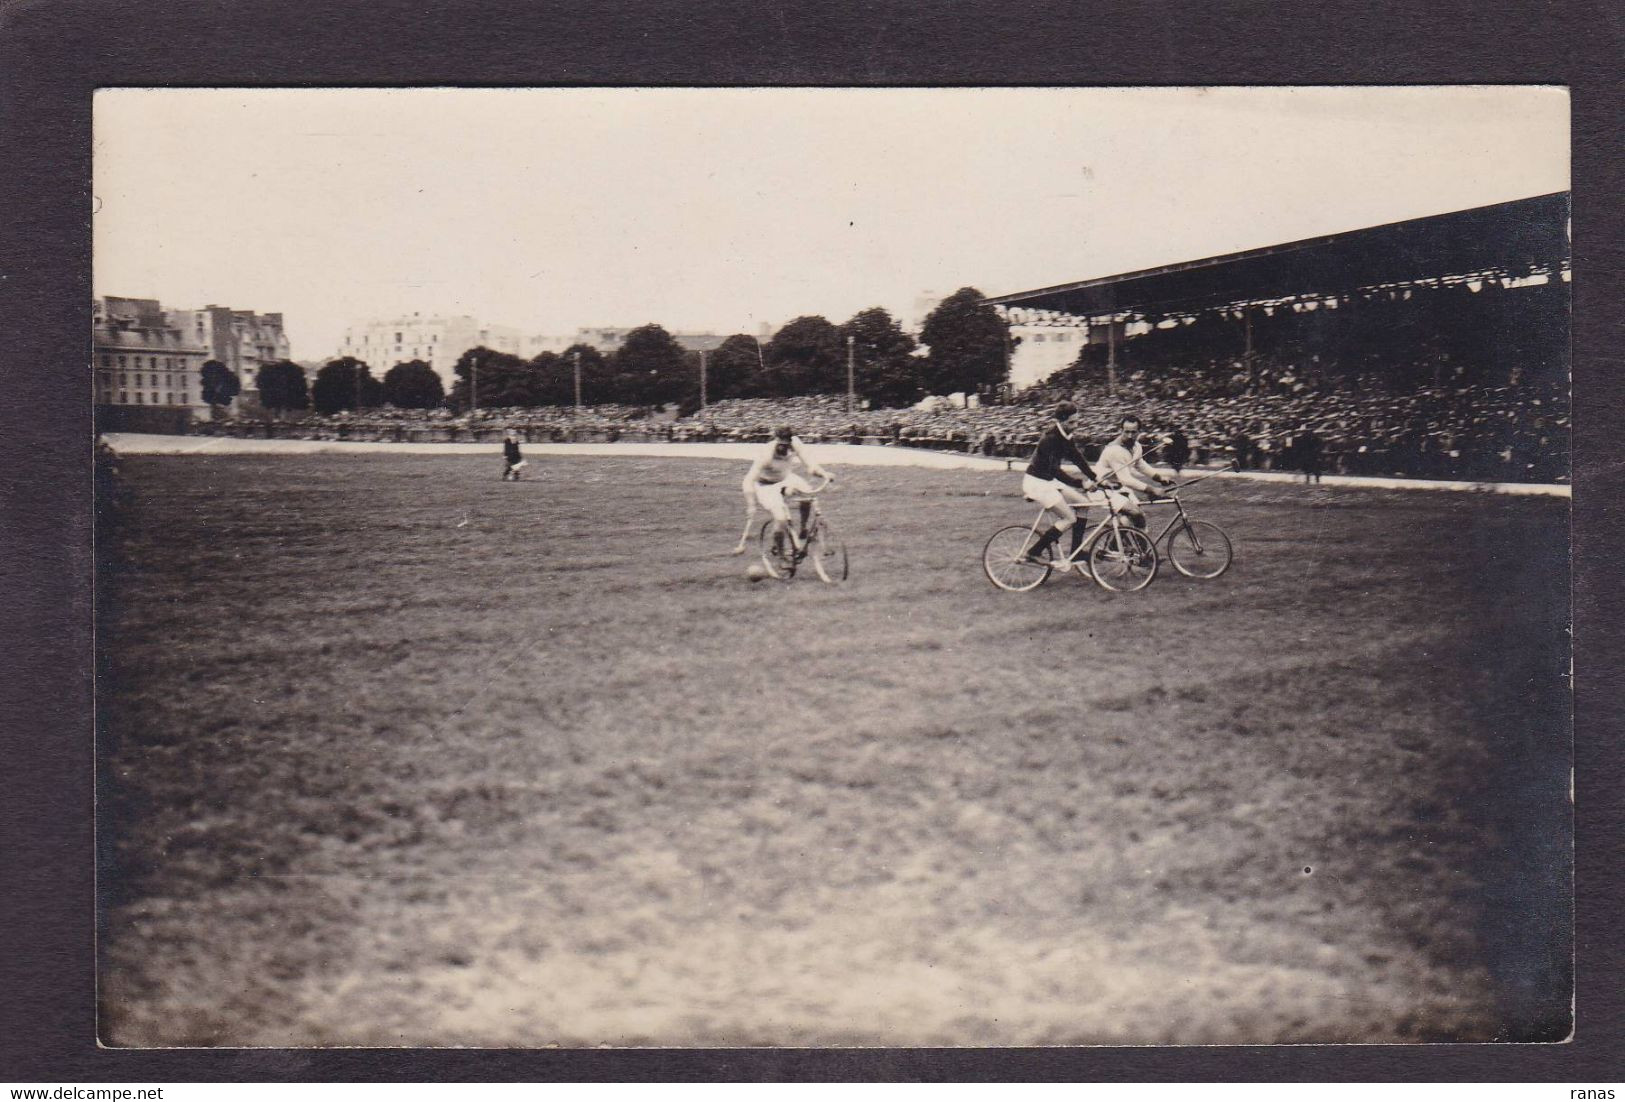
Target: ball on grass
{"points": [[755, 572]]}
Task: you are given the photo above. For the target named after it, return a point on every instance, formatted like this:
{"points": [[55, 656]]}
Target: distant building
{"points": [[437, 340], [1048, 344], [143, 357], [440, 340], [240, 339], [610, 338], [535, 345]]}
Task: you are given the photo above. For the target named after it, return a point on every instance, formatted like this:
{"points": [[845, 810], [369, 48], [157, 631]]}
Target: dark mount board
{"points": [[54, 53]]}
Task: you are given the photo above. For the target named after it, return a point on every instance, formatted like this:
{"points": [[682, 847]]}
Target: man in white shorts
{"points": [[1120, 467], [1058, 492], [770, 478]]}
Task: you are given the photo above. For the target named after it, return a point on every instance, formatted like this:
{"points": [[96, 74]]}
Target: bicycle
{"points": [[813, 540], [1195, 548], [1120, 557]]}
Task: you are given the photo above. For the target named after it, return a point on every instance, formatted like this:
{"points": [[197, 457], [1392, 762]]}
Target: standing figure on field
{"points": [[510, 453], [1179, 451], [1311, 457], [770, 478]]}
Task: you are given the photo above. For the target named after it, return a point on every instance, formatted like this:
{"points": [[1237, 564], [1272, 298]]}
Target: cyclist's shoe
{"points": [[1027, 558]]}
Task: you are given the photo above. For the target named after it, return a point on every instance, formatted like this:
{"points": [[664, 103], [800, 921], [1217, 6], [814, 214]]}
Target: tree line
{"points": [[966, 348]]}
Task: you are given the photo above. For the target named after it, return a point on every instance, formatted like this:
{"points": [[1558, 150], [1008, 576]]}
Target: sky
{"points": [[721, 210]]}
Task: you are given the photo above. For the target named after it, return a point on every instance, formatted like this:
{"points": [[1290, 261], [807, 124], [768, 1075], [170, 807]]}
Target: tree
{"points": [[734, 370], [282, 386], [345, 383], [552, 380], [650, 368], [498, 379], [597, 382], [887, 371], [969, 344], [413, 385], [220, 384], [807, 356]]}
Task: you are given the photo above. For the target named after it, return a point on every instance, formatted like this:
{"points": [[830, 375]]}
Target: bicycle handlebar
{"points": [[809, 494]]}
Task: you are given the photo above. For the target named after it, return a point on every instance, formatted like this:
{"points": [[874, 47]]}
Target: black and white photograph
{"points": [[832, 568]]}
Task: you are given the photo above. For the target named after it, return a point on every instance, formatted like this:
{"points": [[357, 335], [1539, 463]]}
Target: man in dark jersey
{"points": [[1058, 492], [510, 454]]}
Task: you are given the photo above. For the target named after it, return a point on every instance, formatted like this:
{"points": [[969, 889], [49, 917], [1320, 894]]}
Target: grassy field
{"points": [[395, 754]]}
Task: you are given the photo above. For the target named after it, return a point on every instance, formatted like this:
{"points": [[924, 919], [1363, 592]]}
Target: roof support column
{"points": [[1247, 345], [1111, 357]]}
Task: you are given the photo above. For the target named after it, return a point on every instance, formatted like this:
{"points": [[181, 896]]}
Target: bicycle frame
{"points": [[1175, 521], [1113, 519], [785, 549], [801, 533], [1181, 517]]}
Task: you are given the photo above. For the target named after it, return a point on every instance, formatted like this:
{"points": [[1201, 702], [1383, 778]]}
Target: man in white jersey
{"points": [[770, 478], [1122, 463]]}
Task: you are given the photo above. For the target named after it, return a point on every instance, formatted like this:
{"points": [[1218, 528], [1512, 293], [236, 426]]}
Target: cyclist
{"points": [[1120, 466], [1055, 490], [770, 478]]}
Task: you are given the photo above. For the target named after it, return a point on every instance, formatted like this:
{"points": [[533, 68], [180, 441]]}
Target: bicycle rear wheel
{"points": [[1199, 549], [1002, 560], [1123, 559], [778, 555], [827, 553]]}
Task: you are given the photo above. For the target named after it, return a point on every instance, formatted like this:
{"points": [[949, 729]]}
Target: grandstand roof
{"points": [[1512, 236]]}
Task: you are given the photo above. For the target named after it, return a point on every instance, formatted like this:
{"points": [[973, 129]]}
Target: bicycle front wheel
{"points": [[827, 552], [1198, 549], [1123, 559], [1004, 563], [778, 555]]}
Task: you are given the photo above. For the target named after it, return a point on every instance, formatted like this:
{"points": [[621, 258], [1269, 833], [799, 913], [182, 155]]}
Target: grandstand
{"points": [[1435, 346]]}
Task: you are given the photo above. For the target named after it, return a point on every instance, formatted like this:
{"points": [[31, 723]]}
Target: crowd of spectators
{"points": [[1452, 431], [1506, 433], [536, 424]]}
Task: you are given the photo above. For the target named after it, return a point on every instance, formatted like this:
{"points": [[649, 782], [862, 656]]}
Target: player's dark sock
{"points": [[1044, 543], [1077, 536]]}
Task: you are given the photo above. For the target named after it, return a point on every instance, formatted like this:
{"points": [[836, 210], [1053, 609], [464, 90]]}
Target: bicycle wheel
{"points": [[1198, 549], [1002, 560], [777, 555], [1123, 559], [827, 553]]}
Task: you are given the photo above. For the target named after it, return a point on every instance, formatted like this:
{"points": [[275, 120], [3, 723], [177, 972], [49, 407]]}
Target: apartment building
{"points": [[142, 357], [242, 340], [437, 340]]}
